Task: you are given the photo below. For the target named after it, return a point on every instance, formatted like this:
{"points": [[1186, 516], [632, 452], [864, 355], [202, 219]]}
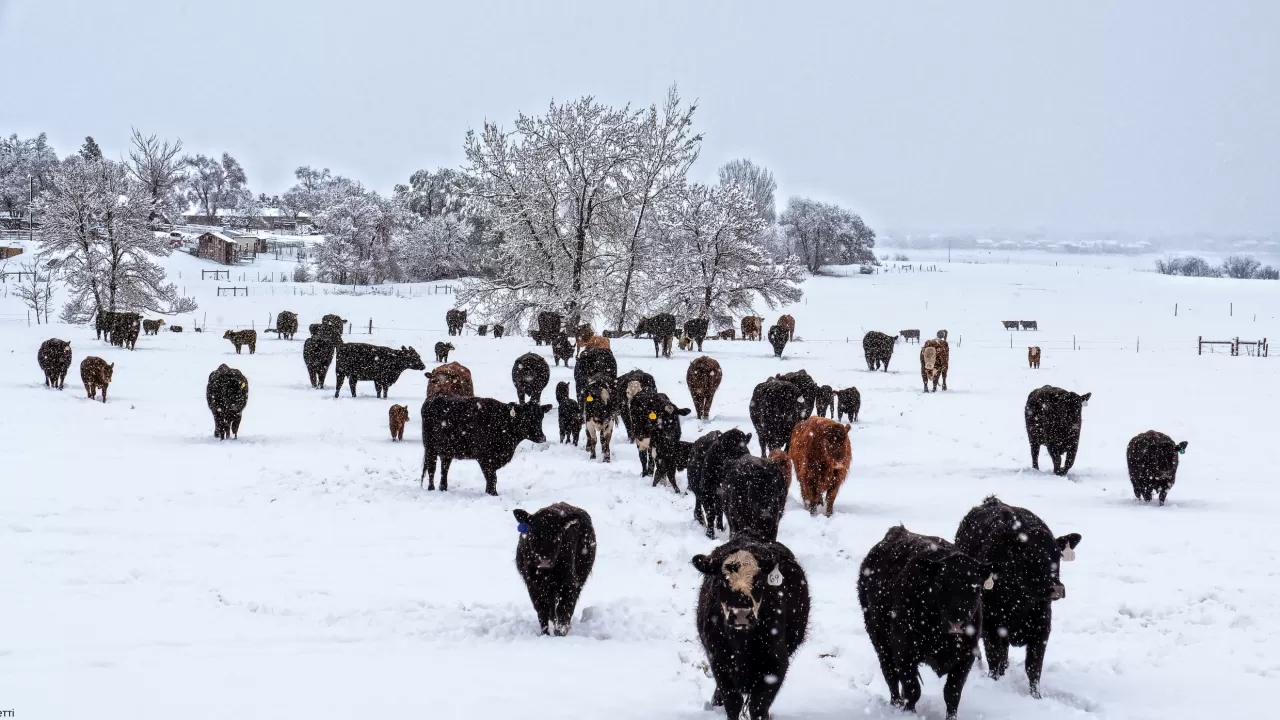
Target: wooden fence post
{"points": [[370, 326]]}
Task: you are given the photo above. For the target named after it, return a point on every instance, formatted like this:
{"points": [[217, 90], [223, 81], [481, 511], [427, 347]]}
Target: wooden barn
{"points": [[217, 247]]}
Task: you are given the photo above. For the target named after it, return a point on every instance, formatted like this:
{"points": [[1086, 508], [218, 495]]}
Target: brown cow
{"points": [[398, 416], [242, 337], [582, 336], [96, 373], [729, 334], [821, 454], [933, 363], [451, 379], [703, 378], [152, 327], [788, 323], [1033, 357], [597, 341], [751, 327]]}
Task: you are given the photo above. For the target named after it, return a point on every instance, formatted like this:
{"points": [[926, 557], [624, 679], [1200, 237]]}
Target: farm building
{"points": [[8, 252], [217, 247]]}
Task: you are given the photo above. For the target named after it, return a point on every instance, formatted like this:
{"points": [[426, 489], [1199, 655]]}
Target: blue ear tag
{"points": [[522, 528]]}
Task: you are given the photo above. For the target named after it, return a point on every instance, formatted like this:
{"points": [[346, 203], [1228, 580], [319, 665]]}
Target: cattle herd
{"points": [[925, 600]]}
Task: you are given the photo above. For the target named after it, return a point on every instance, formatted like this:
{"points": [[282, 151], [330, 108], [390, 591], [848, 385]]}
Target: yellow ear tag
{"points": [[590, 399], [653, 416], [244, 385]]}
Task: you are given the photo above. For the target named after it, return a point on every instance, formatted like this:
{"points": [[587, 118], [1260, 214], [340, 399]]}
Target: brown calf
{"points": [[398, 416], [821, 453], [152, 327], [1033, 357], [597, 341], [788, 323], [242, 337], [751, 327], [96, 373], [703, 379], [582, 336], [451, 379], [934, 357], [729, 334]]}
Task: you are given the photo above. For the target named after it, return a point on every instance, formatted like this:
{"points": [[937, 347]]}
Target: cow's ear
{"points": [[1182, 447], [1085, 397], [1067, 546], [682, 411], [522, 516], [703, 564], [746, 439], [546, 408], [847, 428]]}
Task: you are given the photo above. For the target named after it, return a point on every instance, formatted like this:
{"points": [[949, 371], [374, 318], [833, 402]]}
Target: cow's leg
{"points": [[910, 678], [762, 697], [944, 377], [1035, 664], [606, 436], [577, 434], [445, 460], [352, 382], [235, 425], [1035, 455], [890, 678], [591, 439], [997, 649], [1057, 462], [490, 472], [104, 393], [541, 605], [339, 378], [955, 685], [831, 497], [428, 468], [565, 606], [1164, 492], [645, 468], [1071, 458], [732, 704]]}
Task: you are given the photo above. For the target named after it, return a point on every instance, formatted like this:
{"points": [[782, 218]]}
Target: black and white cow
{"points": [[481, 429], [643, 382], [753, 613], [922, 603], [1153, 464], [555, 554], [1024, 558], [655, 427]]}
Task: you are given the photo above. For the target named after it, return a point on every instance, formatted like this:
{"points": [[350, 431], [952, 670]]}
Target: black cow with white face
{"points": [[481, 429], [655, 428], [1153, 464], [922, 603], [1053, 418], [555, 554], [628, 386], [1025, 560], [753, 613]]}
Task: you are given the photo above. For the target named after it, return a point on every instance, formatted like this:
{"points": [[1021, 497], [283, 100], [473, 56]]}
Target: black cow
{"points": [[482, 330], [1153, 464], [442, 351], [382, 365], [625, 390], [530, 374], [594, 361], [706, 505], [548, 327], [716, 455], [561, 349], [498, 331], [922, 603], [54, 358], [825, 403], [696, 329], [753, 613], [849, 403], [878, 347], [455, 319], [754, 493], [481, 429], [1053, 420], [317, 353], [287, 324], [103, 323], [807, 386], [1024, 558], [776, 407], [655, 427], [778, 339], [227, 393], [570, 415], [662, 328], [554, 555], [124, 330]]}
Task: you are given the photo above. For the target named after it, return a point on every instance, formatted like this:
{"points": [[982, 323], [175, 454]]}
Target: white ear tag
{"points": [[513, 412], [1068, 554], [989, 583], [775, 577]]}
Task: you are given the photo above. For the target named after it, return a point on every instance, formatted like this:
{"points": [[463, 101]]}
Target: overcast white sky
{"points": [[1159, 116]]}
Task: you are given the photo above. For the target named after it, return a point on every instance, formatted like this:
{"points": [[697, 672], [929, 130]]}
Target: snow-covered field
{"points": [[150, 571]]}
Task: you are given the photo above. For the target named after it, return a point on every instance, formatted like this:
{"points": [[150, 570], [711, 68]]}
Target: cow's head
{"points": [[735, 437], [107, 372], [525, 421], [1064, 551], [412, 360], [929, 361], [226, 335], [543, 532], [1164, 459], [668, 421], [447, 346], [957, 582], [741, 582], [598, 404]]}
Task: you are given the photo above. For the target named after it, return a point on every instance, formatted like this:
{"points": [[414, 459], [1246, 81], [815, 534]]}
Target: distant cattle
{"points": [[1053, 418], [152, 327], [629, 385], [752, 326], [286, 324], [820, 453], [581, 335], [729, 334], [482, 330], [102, 324], [594, 377], [685, 342], [848, 403], [696, 330], [1153, 464], [175, 328], [547, 329], [878, 349], [570, 415], [655, 428], [909, 335], [1033, 357], [1010, 324], [1025, 559], [778, 339], [755, 494], [317, 353], [382, 365], [54, 359], [825, 403], [806, 385], [555, 554], [455, 320], [227, 394], [776, 407], [1029, 324], [240, 338], [934, 361], [397, 416], [922, 604], [451, 379], [614, 334], [662, 328], [753, 614], [124, 330], [596, 341], [561, 349], [706, 503], [442, 350], [942, 335], [481, 429], [788, 323], [498, 331], [96, 374], [530, 374], [703, 379]]}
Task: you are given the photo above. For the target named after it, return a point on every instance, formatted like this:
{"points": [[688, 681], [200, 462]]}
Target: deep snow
{"points": [[151, 571]]}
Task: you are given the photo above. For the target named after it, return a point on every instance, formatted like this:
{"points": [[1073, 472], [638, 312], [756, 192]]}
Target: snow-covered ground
{"points": [[150, 571]]}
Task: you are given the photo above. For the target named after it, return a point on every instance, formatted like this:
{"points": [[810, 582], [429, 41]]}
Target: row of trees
{"points": [[1240, 267]]}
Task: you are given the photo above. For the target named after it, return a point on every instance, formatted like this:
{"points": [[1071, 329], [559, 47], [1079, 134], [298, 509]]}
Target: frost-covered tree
{"points": [[90, 149], [308, 195], [94, 221], [249, 208], [712, 264], [429, 194], [358, 226], [214, 185], [25, 167], [431, 248], [158, 165], [757, 184], [823, 234], [1267, 273], [35, 289], [1240, 267]]}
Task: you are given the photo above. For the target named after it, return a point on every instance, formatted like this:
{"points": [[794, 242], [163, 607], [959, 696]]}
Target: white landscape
{"points": [[155, 572]]}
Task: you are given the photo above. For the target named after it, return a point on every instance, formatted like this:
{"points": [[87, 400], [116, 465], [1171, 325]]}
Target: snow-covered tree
{"points": [[823, 234], [214, 185], [757, 184], [429, 194], [307, 196], [35, 289], [25, 167], [431, 248], [249, 208], [94, 221], [90, 149], [712, 264], [1241, 267], [158, 165], [357, 225]]}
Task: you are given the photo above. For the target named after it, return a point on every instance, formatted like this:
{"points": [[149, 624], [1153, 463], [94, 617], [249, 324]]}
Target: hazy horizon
{"points": [[1145, 118]]}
